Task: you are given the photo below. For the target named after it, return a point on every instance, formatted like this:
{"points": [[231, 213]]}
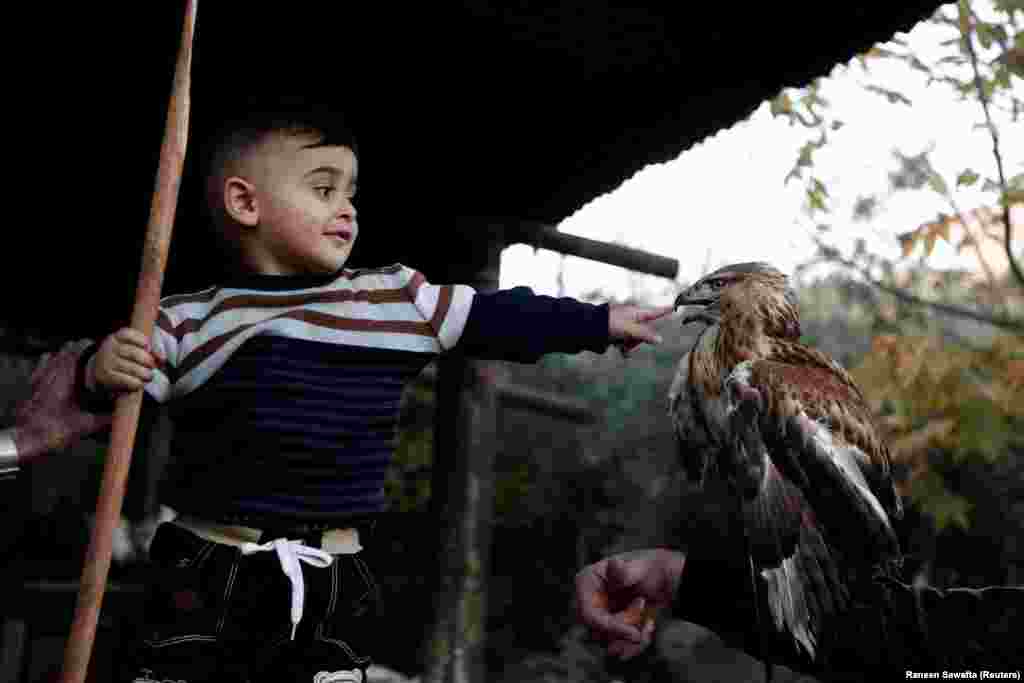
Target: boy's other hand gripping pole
{"points": [[126, 412]]}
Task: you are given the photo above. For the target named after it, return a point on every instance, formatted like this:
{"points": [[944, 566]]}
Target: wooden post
{"points": [[126, 412], [462, 496]]}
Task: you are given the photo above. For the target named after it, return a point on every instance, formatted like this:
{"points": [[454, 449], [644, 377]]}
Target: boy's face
{"points": [[301, 220]]}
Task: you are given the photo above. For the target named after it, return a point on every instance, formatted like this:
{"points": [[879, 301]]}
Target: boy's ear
{"points": [[240, 201]]}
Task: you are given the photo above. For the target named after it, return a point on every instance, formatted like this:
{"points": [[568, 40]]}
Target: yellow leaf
{"points": [[933, 433], [1015, 372], [883, 343], [895, 423], [907, 241]]}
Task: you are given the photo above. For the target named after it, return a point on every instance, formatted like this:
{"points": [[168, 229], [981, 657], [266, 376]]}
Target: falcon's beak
{"points": [[702, 296]]}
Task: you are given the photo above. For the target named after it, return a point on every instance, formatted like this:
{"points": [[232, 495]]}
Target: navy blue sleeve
{"points": [[889, 628], [518, 325]]}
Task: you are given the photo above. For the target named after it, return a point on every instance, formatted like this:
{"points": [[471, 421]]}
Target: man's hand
{"points": [[51, 419], [628, 326], [123, 363], [618, 597]]}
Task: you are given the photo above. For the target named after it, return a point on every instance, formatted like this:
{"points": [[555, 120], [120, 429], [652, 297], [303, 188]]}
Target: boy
{"points": [[284, 385]]}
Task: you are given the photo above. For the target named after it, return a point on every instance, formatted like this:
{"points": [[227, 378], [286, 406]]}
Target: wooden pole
{"points": [[126, 412]]}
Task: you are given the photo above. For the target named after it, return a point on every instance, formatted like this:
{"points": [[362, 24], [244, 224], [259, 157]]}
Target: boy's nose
{"points": [[347, 210]]}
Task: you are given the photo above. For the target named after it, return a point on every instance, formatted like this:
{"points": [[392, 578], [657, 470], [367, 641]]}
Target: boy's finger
{"points": [[129, 335], [650, 314], [134, 370], [121, 381], [134, 354]]}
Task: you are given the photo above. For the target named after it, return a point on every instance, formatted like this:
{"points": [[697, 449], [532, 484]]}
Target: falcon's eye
{"points": [[715, 284]]}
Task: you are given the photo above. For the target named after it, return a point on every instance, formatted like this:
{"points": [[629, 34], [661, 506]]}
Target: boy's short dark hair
{"points": [[240, 131]]}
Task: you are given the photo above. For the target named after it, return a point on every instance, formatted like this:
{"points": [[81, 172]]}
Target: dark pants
{"points": [[215, 615]]}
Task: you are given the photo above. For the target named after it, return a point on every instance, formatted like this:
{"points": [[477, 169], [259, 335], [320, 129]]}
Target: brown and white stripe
{"points": [[392, 308]]}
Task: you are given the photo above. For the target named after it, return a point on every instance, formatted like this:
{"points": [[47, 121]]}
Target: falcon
{"points": [[786, 427]]}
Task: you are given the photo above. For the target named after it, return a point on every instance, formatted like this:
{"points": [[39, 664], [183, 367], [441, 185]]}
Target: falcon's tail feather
{"points": [[800, 575]]}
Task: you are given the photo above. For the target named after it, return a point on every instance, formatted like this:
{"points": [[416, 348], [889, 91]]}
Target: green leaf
{"points": [[982, 430], [816, 200], [985, 36], [1009, 6], [967, 178], [988, 87], [936, 182], [1002, 76], [935, 500]]}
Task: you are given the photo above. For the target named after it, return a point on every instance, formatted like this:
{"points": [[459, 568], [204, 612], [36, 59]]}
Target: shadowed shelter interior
{"points": [[521, 111]]}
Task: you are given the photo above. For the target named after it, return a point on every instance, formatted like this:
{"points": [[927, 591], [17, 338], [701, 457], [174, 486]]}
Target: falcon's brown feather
{"points": [[788, 426]]}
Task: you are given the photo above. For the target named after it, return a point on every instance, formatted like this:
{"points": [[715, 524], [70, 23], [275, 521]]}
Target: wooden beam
{"points": [[549, 237]]}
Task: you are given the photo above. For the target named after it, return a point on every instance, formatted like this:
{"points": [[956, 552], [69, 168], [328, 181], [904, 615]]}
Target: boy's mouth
{"points": [[341, 233]]}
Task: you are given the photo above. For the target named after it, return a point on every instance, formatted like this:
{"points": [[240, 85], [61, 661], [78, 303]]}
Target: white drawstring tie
{"points": [[289, 554]]}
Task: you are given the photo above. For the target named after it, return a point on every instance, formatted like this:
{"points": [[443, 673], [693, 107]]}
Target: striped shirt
{"points": [[285, 390]]}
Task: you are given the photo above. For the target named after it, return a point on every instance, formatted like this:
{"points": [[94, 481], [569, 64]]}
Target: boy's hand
{"points": [[628, 325], [123, 362]]}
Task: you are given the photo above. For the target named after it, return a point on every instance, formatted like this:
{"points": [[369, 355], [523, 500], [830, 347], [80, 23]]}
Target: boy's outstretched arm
{"points": [[516, 324]]}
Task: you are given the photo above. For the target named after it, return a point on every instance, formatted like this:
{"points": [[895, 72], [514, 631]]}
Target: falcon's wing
{"points": [[818, 431], [815, 482], [696, 450], [687, 404]]}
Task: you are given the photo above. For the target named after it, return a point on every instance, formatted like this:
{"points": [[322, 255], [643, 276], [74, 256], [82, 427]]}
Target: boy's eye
{"points": [[325, 191]]}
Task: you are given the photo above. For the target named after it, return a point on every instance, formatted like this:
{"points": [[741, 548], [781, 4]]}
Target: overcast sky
{"points": [[725, 200]]}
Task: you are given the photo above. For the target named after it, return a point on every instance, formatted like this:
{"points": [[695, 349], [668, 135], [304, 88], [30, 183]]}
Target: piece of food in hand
{"points": [[638, 614]]}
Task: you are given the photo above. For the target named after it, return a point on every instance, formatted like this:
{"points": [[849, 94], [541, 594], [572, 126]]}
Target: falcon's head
{"points": [[741, 290]]}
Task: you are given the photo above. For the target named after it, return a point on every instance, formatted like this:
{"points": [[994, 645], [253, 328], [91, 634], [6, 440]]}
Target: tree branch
{"points": [[965, 36], [1003, 322]]}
